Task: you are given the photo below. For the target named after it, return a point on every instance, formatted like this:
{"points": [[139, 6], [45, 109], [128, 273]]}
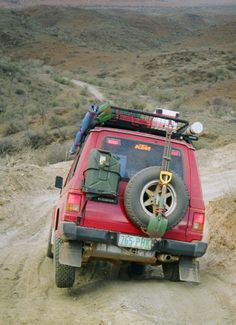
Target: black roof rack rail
{"points": [[141, 121], [151, 115]]}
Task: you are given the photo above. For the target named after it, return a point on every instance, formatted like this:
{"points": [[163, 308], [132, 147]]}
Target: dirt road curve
{"points": [[91, 89], [27, 291]]}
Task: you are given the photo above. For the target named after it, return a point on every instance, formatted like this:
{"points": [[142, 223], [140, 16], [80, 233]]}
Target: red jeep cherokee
{"points": [[111, 192]]}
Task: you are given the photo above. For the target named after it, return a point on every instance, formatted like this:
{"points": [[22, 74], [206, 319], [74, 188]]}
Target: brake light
{"points": [[73, 203], [198, 221], [175, 153], [113, 142]]}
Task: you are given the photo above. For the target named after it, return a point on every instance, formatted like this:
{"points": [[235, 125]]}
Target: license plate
{"points": [[134, 242]]}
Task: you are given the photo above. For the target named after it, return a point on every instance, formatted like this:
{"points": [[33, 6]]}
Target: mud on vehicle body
{"points": [[113, 190]]}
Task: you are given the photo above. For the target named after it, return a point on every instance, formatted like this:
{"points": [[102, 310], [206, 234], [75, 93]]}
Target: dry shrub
{"points": [[52, 154], [39, 139], [13, 127], [7, 146], [56, 122]]}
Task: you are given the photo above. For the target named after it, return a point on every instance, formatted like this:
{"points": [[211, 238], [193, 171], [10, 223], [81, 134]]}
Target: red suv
{"points": [[113, 190]]}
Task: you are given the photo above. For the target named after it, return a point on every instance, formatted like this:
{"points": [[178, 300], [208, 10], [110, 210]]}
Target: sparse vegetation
{"points": [[52, 154], [184, 59], [62, 80], [174, 69], [56, 122], [38, 139], [13, 127], [7, 146]]}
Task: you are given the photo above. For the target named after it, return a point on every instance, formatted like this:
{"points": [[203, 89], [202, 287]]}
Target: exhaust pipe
{"points": [[164, 258]]}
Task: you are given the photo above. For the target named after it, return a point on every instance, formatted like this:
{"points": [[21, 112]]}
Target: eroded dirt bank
{"points": [[27, 291]]}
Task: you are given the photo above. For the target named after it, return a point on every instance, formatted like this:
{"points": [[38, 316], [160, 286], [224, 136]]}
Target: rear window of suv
{"points": [[137, 155]]}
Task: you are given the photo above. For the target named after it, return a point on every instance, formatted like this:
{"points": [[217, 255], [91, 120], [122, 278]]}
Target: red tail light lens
{"points": [[73, 203], [198, 221]]}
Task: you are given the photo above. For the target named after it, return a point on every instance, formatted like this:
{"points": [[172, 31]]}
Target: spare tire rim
{"points": [[150, 198]]}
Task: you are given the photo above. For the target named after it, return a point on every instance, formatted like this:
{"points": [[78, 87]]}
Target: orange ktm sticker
{"points": [[143, 147]]}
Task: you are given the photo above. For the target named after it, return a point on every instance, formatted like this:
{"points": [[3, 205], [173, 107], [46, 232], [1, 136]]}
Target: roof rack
{"points": [[136, 120]]}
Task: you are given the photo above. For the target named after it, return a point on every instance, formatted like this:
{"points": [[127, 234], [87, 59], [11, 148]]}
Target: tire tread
{"points": [[49, 252], [129, 197], [171, 271], [64, 274]]}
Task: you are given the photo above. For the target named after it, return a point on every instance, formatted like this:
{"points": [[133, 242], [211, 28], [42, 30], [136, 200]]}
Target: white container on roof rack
{"points": [[161, 123], [194, 129]]}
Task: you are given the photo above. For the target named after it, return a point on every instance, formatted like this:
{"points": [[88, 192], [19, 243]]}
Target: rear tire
{"points": [[64, 274], [49, 252], [136, 269], [171, 271]]}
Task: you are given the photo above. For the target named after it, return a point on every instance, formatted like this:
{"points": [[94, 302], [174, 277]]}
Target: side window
{"points": [[72, 170], [75, 163]]}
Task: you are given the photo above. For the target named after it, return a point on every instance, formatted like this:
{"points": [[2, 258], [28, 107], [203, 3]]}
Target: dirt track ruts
{"points": [[29, 296]]}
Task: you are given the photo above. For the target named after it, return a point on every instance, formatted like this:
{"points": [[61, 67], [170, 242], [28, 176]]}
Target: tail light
{"points": [[198, 221], [73, 202], [72, 207]]}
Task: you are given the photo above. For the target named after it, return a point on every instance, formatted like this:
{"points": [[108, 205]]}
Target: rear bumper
{"points": [[69, 231]]}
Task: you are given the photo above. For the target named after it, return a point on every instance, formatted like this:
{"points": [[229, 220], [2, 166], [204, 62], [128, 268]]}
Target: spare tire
{"points": [[142, 196]]}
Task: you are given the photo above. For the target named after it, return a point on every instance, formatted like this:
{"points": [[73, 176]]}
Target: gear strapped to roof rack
{"points": [[136, 120], [130, 119]]}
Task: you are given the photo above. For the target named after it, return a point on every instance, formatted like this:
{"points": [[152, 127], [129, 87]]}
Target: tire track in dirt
{"points": [[28, 294], [91, 89]]}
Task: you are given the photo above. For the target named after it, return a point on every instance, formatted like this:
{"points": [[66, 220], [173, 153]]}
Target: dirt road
{"points": [[91, 89], [27, 291], [217, 169]]}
